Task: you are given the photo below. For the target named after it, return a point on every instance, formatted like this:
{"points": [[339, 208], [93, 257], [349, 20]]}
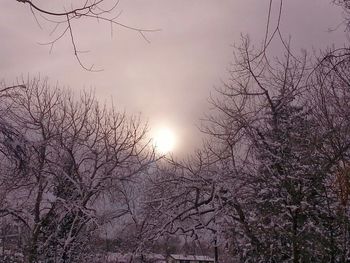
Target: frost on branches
{"points": [[272, 182], [61, 157]]}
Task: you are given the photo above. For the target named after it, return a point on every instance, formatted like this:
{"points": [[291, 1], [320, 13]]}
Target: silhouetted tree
{"points": [[60, 158], [63, 19]]}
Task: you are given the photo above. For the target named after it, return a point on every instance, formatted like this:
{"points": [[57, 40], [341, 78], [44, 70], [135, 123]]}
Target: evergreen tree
{"points": [[291, 209]]}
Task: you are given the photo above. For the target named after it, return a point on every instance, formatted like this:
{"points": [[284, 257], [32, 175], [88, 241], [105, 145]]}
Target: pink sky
{"points": [[170, 79]]}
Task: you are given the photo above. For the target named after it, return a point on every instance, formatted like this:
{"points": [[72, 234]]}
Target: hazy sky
{"points": [[169, 79]]}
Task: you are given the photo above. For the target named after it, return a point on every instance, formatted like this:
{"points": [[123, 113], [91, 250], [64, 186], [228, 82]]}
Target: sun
{"points": [[164, 140]]}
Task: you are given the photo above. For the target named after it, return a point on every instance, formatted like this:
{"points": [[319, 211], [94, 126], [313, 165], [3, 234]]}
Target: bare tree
{"points": [[60, 158], [271, 183], [330, 99], [63, 19]]}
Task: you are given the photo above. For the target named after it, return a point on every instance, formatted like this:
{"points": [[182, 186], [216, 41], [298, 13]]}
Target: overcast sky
{"points": [[169, 79]]}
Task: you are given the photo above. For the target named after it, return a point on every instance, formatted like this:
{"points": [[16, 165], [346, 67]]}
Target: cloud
{"points": [[171, 77]]}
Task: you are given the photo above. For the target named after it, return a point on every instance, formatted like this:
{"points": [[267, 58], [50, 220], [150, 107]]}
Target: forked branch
{"points": [[91, 9]]}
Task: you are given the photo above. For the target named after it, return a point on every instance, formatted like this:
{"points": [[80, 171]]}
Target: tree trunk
{"points": [[216, 250], [296, 252]]}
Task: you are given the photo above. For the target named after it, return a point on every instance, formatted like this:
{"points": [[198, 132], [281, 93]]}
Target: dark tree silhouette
{"points": [[62, 20]]}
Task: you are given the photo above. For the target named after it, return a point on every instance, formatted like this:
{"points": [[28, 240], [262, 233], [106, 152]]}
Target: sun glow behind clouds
{"points": [[164, 140]]}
